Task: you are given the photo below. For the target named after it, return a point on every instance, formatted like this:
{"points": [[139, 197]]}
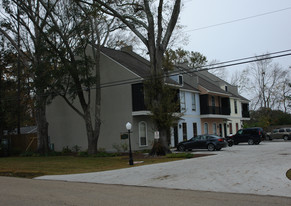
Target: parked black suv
{"points": [[252, 136]]}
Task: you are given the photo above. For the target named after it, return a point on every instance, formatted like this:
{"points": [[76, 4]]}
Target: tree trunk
{"points": [[161, 147], [42, 125], [91, 134]]}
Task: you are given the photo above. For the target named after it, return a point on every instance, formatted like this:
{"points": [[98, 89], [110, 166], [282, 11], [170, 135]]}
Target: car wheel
{"points": [[285, 138], [251, 142], [211, 147], [181, 148]]}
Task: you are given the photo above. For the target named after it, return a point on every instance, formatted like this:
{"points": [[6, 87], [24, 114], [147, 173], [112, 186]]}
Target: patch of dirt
{"points": [[288, 174], [20, 174], [146, 156]]}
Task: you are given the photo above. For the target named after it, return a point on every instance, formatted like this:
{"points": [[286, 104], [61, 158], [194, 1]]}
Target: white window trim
{"points": [[146, 131]]}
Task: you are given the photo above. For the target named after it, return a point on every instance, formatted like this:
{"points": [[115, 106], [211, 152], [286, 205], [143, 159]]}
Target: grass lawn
{"points": [[30, 167]]}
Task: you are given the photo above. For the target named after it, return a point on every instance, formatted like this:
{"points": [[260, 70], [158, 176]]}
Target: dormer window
{"points": [[177, 78], [225, 88], [181, 79]]}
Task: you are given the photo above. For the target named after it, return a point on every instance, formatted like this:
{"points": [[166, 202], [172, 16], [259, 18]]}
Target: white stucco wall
{"points": [[189, 117]]}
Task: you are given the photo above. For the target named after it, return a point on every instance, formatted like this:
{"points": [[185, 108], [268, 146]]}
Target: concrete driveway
{"points": [[250, 169]]}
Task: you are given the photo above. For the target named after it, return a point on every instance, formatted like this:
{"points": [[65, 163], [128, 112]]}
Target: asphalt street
{"points": [[28, 192], [245, 169]]}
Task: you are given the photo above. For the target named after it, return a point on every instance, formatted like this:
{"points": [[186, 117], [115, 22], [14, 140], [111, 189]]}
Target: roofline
{"points": [[224, 94], [122, 65]]}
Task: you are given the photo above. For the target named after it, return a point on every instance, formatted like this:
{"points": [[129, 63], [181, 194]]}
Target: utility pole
{"points": [[18, 74]]}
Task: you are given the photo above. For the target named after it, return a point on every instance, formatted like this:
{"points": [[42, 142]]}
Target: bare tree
{"points": [[265, 82], [153, 22], [22, 23]]}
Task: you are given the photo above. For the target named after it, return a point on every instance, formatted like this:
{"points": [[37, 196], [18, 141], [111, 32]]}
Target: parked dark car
{"points": [[210, 142], [252, 136]]}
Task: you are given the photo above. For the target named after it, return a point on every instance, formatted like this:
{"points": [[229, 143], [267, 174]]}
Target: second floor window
{"points": [[182, 101], [235, 106], [213, 101], [193, 102]]}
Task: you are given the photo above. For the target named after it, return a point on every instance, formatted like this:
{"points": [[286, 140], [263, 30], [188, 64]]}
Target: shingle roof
{"points": [[137, 64], [130, 60], [210, 86]]}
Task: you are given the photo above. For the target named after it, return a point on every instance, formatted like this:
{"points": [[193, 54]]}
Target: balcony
{"points": [[245, 110], [215, 110], [222, 109]]}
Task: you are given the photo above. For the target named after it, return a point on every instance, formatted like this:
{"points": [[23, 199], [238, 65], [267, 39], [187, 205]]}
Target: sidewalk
{"points": [[256, 169]]}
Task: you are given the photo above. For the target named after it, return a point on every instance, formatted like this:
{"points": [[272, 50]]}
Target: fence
{"points": [[22, 143]]}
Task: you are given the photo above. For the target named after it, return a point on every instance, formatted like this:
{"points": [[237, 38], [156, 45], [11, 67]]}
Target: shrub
{"points": [[76, 148], [66, 150], [116, 147], [83, 154]]}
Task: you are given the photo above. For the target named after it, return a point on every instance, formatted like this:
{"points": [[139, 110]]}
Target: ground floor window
{"points": [[214, 129], [194, 129], [184, 131], [143, 134], [205, 128], [230, 128]]}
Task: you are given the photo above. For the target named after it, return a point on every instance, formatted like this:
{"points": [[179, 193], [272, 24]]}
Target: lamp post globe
{"points": [[128, 127]]}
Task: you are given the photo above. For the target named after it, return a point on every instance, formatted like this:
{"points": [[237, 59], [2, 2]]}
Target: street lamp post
{"points": [[128, 127]]}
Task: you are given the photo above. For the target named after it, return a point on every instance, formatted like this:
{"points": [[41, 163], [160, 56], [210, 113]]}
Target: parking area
{"points": [[251, 169]]}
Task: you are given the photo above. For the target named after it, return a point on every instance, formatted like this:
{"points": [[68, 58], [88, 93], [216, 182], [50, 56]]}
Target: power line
{"points": [[237, 20], [218, 65]]}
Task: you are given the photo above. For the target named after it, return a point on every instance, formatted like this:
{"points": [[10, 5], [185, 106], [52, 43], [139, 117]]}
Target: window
{"points": [[275, 131], [214, 129], [236, 125], [184, 131], [177, 78], [193, 102], [225, 88], [194, 129], [230, 128], [205, 128], [235, 106], [142, 134], [180, 79], [213, 101], [182, 101]]}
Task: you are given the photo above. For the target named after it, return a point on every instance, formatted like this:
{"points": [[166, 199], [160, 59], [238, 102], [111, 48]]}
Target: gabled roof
{"points": [[130, 60], [208, 85], [210, 82], [137, 65]]}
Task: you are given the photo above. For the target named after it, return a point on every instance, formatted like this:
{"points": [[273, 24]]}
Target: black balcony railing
{"points": [[215, 110]]}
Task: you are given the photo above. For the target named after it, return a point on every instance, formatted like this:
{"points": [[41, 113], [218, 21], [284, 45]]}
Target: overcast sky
{"points": [[253, 36]]}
